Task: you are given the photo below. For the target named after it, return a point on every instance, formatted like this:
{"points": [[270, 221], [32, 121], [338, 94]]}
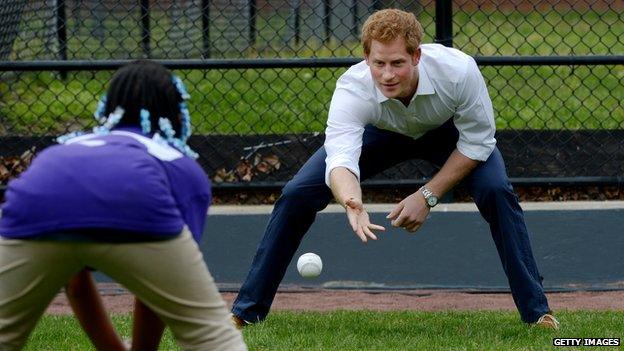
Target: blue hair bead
{"points": [[186, 122], [64, 138], [182, 146], [146, 123], [111, 121], [99, 111], [189, 152], [169, 138], [181, 88], [166, 127]]}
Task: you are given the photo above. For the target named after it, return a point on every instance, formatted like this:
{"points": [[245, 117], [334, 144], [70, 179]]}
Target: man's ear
{"points": [[416, 56], [366, 57]]}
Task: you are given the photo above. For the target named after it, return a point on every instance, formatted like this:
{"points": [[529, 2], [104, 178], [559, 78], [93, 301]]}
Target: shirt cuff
{"points": [[340, 162], [479, 152]]}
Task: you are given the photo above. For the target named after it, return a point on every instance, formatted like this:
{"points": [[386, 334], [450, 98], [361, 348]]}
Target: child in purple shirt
{"points": [[128, 200]]}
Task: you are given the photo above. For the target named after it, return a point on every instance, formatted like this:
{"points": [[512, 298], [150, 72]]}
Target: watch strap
{"points": [[427, 193]]}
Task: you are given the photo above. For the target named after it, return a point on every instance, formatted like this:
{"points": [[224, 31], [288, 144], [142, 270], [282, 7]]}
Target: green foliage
{"points": [[556, 32], [247, 101]]}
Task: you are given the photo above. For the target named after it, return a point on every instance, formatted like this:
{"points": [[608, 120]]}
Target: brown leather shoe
{"points": [[237, 322], [547, 321]]}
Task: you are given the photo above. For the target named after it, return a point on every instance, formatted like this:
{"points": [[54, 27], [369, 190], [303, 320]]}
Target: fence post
{"points": [[61, 33], [327, 20], [444, 22], [145, 28], [252, 22], [205, 15], [355, 18], [297, 11], [376, 5]]}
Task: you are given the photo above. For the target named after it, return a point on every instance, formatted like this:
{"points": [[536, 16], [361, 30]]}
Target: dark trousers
{"points": [[306, 194]]}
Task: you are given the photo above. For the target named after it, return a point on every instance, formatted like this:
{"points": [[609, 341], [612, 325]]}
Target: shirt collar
{"points": [[127, 128], [425, 87]]}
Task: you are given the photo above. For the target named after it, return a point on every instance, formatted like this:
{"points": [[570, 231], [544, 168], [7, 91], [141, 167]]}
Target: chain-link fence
{"points": [[261, 75]]}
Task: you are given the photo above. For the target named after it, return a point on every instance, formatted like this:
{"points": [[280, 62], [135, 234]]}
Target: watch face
{"points": [[432, 201]]}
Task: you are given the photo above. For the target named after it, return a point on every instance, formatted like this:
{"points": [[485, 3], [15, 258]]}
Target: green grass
{"points": [[557, 32], [562, 31], [365, 330], [249, 101], [296, 100]]}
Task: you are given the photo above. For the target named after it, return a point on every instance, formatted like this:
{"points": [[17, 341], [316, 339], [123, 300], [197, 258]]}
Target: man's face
{"points": [[393, 69]]}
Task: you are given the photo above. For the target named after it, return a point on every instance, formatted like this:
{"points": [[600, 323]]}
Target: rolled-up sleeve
{"points": [[474, 117], [349, 112]]}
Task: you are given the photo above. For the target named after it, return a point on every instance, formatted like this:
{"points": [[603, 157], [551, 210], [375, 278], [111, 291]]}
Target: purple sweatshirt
{"points": [[122, 181]]}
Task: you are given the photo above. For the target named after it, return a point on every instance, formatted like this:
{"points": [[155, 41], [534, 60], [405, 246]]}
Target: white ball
{"points": [[309, 265]]}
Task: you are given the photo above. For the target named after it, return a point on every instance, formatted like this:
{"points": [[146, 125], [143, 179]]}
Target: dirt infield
{"points": [[417, 300]]}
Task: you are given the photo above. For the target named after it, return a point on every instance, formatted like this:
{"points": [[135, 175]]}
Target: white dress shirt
{"points": [[450, 85]]}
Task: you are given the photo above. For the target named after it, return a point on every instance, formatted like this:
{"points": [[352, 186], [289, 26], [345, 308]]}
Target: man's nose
{"points": [[387, 74]]}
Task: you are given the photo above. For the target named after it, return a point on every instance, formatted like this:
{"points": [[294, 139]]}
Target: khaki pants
{"points": [[170, 277]]}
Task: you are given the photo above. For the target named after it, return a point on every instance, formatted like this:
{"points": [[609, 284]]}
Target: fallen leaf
{"points": [[244, 170], [272, 160], [221, 175], [257, 159], [263, 167]]}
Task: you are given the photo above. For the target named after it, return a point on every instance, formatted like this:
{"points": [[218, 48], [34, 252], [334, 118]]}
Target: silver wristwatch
{"points": [[430, 198]]}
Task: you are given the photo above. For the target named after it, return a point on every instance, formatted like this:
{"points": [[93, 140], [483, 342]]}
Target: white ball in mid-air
{"points": [[309, 265]]}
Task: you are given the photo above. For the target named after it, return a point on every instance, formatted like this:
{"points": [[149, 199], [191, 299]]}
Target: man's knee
{"points": [[306, 193], [493, 189]]}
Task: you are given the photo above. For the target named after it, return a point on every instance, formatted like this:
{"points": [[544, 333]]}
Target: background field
{"points": [[296, 100], [246, 101]]}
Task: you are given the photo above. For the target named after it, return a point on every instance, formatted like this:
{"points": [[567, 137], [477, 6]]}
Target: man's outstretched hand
{"points": [[359, 220]]}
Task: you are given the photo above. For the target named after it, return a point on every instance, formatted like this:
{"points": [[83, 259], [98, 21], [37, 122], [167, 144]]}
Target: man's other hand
{"points": [[410, 213]]}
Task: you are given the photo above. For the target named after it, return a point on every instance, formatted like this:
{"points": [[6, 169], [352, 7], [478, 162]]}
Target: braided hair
{"points": [[146, 94], [144, 85]]}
